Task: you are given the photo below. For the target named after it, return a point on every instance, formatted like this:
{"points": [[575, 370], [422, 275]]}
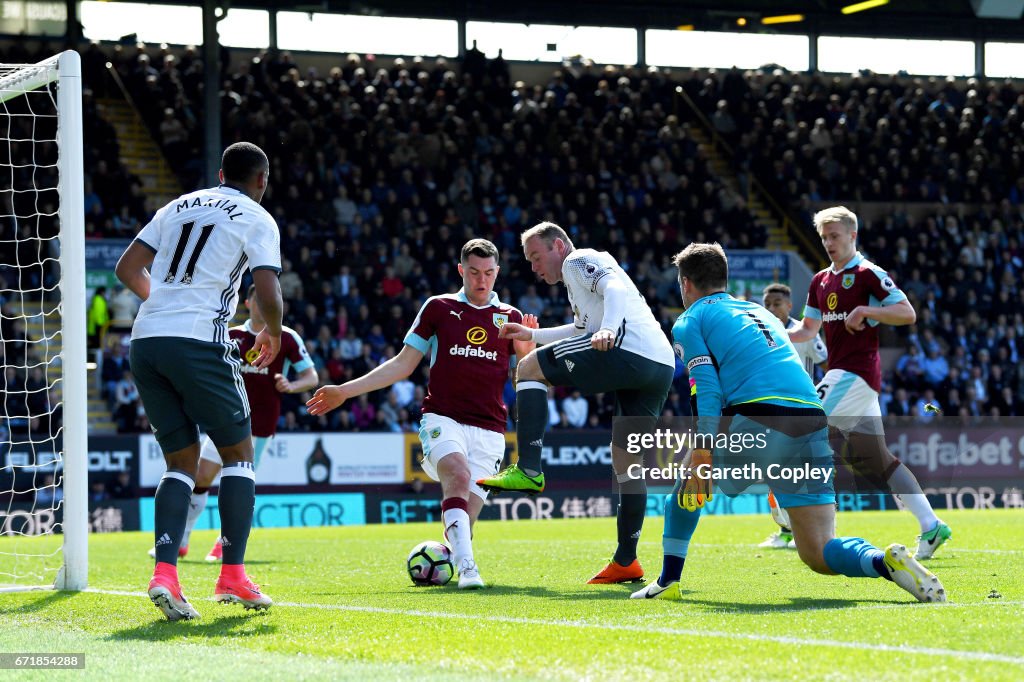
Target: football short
{"points": [[187, 386], [441, 436], [850, 403], [640, 385], [786, 445], [210, 454]]}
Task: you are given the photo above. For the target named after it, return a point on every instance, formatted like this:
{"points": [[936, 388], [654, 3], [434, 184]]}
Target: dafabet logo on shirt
{"points": [[476, 335]]}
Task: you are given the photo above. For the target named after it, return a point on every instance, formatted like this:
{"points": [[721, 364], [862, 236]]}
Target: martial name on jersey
{"points": [[202, 242], [469, 363], [264, 398], [833, 296]]}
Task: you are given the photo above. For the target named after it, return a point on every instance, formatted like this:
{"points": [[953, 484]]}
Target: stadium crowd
{"points": [[380, 172], [385, 170]]}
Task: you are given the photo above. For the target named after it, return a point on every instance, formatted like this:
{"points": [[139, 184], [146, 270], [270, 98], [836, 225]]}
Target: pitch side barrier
{"points": [[973, 463], [855, 455]]}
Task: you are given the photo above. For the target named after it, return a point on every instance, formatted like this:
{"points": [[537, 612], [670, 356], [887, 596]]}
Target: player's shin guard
{"points": [[632, 506], [855, 558], [532, 411], [171, 514], [196, 506], [237, 499], [904, 485], [455, 516]]}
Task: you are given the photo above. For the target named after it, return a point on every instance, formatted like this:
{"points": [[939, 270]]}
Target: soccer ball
{"points": [[430, 563]]}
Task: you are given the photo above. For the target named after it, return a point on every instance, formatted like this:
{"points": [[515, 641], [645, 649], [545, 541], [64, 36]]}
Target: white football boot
{"points": [[469, 576], [928, 542], [909, 574], [780, 539], [653, 590]]}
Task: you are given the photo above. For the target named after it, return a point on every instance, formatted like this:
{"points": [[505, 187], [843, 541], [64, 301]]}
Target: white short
{"points": [[850, 403], [483, 448], [208, 451]]}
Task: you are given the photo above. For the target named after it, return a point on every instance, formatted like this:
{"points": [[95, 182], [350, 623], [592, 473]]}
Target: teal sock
{"points": [[675, 540], [855, 558]]}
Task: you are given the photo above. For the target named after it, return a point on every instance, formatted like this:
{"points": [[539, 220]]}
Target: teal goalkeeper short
{"points": [[789, 448]]}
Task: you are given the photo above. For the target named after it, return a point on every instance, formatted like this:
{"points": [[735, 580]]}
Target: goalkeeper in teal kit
{"points": [[757, 404]]}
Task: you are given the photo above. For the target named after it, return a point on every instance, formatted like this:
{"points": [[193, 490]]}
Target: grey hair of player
{"points": [[835, 214], [547, 232]]}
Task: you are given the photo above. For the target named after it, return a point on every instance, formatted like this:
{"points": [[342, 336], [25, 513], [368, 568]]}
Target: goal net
{"points": [[43, 446]]}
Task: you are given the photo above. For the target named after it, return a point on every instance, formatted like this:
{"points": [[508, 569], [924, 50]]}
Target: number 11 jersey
{"points": [[203, 242]]}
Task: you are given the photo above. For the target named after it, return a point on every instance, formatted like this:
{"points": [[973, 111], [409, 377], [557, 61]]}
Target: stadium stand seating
{"points": [[381, 171]]}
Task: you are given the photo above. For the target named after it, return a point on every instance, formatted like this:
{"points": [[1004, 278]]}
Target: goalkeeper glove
{"points": [[697, 489]]}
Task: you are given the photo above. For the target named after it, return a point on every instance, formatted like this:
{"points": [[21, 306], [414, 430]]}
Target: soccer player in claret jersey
{"points": [[614, 345], [778, 300], [464, 416], [851, 298], [188, 371], [263, 387], [745, 371]]}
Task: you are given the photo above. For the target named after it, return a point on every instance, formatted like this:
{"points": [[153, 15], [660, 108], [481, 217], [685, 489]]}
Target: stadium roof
{"points": [[904, 18]]}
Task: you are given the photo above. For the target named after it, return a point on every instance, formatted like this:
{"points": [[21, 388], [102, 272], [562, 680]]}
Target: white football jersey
{"points": [[640, 332], [811, 352], [203, 242]]}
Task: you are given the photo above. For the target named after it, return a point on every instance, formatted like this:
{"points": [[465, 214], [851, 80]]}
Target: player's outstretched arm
{"points": [[397, 368], [542, 337], [133, 268], [806, 331]]}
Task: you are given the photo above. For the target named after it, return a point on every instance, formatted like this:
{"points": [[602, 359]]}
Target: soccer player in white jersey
{"points": [[614, 345], [778, 300], [186, 265], [464, 415], [850, 299], [263, 387]]}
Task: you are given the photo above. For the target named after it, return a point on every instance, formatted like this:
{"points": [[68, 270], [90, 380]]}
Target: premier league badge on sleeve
{"points": [[500, 319]]}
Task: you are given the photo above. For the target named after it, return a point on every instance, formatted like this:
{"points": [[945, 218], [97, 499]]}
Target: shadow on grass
{"points": [[43, 600], [201, 561], [592, 592], [210, 627], [795, 605]]}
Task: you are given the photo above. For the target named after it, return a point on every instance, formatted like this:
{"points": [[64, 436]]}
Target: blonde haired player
{"points": [[850, 299]]}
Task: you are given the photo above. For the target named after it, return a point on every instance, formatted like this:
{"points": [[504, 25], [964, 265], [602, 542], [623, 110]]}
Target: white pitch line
{"points": [[707, 545], [583, 625]]}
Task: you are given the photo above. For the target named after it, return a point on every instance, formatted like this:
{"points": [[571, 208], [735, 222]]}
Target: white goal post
{"points": [[34, 294]]}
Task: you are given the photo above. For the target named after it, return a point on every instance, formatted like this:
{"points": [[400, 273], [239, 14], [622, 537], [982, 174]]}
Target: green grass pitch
{"points": [[346, 609]]}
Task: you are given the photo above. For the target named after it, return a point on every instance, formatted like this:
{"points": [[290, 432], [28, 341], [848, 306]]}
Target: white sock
{"points": [[459, 534], [195, 509], [904, 485]]}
